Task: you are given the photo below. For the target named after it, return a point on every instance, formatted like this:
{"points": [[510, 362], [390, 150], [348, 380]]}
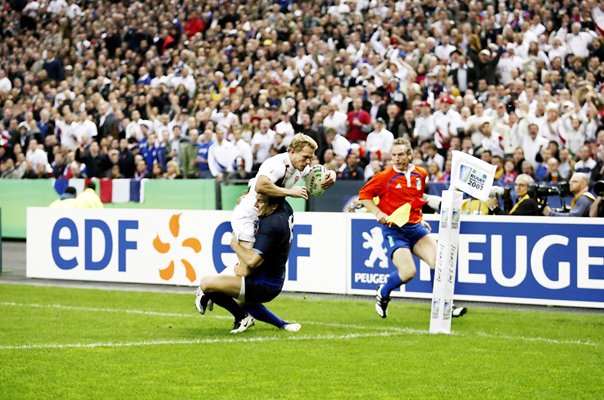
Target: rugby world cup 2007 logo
{"points": [[472, 177]]}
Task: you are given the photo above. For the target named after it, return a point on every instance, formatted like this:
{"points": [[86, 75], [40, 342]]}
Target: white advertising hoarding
{"points": [[171, 247], [527, 260]]}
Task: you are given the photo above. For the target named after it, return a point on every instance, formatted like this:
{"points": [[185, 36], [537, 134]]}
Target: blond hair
{"points": [[300, 141], [174, 164], [403, 142]]}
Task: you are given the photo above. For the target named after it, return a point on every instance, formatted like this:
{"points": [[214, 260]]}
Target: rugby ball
{"points": [[315, 177]]}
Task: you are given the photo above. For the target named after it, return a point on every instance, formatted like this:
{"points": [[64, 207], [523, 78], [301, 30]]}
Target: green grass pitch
{"points": [[63, 343]]}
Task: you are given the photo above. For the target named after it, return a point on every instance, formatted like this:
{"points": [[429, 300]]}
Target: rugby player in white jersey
{"points": [[276, 177]]}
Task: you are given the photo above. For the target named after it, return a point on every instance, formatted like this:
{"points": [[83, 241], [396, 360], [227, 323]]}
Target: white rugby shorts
{"points": [[244, 220]]}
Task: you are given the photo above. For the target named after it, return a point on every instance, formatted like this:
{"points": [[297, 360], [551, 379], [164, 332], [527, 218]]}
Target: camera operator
{"points": [[597, 208], [579, 206], [525, 205]]}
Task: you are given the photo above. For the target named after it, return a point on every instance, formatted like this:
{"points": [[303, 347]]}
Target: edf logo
{"points": [[72, 239], [219, 249], [100, 239]]}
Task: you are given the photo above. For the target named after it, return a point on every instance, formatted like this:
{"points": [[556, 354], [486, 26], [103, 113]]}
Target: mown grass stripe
{"points": [[385, 331]]}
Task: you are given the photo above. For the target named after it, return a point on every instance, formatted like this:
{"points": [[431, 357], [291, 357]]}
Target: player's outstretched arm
{"points": [[266, 187], [433, 201]]}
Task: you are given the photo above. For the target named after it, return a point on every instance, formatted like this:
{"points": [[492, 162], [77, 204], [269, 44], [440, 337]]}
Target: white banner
{"points": [[472, 175], [520, 260], [172, 247]]}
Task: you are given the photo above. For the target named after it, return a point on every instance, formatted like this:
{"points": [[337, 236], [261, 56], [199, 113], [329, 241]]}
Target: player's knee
{"points": [[410, 274], [206, 285], [407, 273]]}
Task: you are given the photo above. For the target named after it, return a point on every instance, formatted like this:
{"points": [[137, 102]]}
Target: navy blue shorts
{"points": [[260, 291], [405, 237]]}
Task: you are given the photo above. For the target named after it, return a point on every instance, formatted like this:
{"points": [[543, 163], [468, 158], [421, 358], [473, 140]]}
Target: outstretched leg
{"points": [[261, 313], [405, 271]]}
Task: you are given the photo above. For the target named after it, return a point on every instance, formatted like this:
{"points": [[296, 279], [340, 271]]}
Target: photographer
{"points": [[525, 205], [579, 185], [597, 208]]}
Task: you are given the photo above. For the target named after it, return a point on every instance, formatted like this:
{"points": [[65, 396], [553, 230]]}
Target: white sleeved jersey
{"points": [[279, 170]]}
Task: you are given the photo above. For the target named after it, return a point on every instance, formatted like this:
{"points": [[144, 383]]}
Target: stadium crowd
{"points": [[211, 89]]}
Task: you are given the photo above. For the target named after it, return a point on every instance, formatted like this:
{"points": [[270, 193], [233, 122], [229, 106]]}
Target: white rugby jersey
{"points": [[279, 170]]}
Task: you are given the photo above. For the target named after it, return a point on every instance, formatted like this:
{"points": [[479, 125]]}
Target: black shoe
{"points": [[381, 303], [458, 311]]}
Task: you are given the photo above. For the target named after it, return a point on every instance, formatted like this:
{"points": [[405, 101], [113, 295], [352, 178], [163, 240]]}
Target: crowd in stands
{"points": [[210, 89]]}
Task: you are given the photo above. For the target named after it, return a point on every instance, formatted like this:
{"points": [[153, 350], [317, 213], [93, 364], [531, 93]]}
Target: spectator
{"points": [[336, 142], [509, 173], [380, 140], [585, 164], [352, 170], [432, 156], [221, 156], [425, 126], [359, 122], [195, 155], [262, 141], [525, 205]]}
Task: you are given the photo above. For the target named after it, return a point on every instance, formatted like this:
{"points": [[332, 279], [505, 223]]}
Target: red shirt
{"points": [[355, 133], [194, 26], [397, 188]]}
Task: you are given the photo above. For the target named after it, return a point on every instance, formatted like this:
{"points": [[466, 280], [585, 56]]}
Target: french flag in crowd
{"points": [[110, 190]]}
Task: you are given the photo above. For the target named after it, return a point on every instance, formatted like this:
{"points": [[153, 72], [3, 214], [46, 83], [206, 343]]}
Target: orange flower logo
{"points": [[167, 273]]}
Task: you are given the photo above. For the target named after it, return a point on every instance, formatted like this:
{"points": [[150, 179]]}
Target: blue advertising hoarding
{"points": [[536, 260]]}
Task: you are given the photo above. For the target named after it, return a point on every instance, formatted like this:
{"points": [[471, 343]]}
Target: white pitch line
{"points": [[193, 314], [200, 341], [95, 309], [385, 330]]}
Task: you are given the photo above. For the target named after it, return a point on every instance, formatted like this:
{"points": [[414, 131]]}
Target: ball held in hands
{"points": [[314, 179]]}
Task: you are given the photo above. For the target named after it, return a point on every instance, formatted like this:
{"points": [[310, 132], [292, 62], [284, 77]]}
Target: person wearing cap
{"points": [[447, 120], [484, 65], [285, 127], [424, 123], [380, 139], [509, 62]]}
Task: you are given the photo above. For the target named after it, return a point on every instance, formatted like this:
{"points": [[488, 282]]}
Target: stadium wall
{"points": [[530, 260], [200, 194]]}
